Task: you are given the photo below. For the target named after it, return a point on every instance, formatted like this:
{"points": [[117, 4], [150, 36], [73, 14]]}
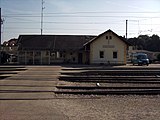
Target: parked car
{"points": [[140, 59]]}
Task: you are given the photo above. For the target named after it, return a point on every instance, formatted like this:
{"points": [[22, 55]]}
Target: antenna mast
{"points": [[42, 9]]}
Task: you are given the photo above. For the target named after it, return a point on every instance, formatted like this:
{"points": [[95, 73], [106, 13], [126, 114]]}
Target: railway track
{"points": [[114, 73], [7, 71], [120, 81]]}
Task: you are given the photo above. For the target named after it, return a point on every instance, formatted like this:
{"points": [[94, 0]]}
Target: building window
{"points": [[115, 55], [101, 54], [110, 37]]}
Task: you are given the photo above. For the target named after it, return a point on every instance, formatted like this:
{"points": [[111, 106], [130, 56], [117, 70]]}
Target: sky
{"points": [[80, 17]]}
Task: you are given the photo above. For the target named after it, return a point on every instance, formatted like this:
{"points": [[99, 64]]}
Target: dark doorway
{"points": [[80, 56]]}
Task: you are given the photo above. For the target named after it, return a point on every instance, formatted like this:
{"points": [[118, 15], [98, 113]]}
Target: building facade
{"points": [[108, 48]]}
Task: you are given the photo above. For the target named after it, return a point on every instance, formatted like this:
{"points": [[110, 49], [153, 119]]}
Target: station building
{"points": [[106, 48]]}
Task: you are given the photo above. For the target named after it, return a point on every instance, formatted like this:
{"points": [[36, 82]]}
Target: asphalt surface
{"points": [[29, 95]]}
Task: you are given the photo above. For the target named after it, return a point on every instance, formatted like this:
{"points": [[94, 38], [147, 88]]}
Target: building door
{"points": [[80, 57]]}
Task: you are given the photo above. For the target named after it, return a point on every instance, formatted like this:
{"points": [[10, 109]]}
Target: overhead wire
{"points": [[83, 16]]}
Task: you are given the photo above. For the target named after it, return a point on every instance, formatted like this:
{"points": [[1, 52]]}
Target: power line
{"points": [[55, 22], [22, 19], [62, 29], [58, 28], [101, 12], [85, 16]]}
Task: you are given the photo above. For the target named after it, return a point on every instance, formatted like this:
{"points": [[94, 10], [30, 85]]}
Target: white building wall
{"points": [[108, 46]]}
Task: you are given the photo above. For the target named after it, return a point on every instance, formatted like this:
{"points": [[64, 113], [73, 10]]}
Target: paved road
{"points": [[29, 95]]}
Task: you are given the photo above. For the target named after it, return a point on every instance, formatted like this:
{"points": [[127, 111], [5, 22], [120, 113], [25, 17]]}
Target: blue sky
{"points": [[81, 17]]}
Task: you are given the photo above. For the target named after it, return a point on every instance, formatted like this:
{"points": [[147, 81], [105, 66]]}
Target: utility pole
{"points": [[126, 28], [42, 9], [0, 28], [0, 35]]}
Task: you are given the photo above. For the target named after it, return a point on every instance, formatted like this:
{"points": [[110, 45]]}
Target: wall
{"points": [[47, 57], [34, 57]]}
